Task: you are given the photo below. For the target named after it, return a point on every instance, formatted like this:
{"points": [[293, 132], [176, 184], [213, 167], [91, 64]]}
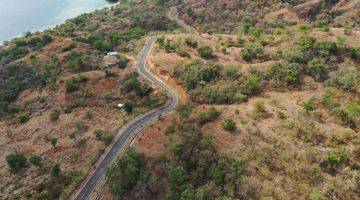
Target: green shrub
{"points": [[55, 170], [16, 161], [24, 117], [228, 125], [349, 113], [208, 116], [283, 74], [123, 61], [169, 129], [309, 105], [125, 172], [294, 56], [259, 107], [315, 194], [35, 160], [304, 27], [220, 93], [205, 52], [197, 74], [354, 52], [129, 106], [253, 51], [72, 84], [54, 115], [191, 42], [103, 136], [280, 114], [53, 141], [329, 101], [252, 85], [316, 68], [347, 80]]}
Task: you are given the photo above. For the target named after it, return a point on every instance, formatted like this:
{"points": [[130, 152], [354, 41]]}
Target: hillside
{"points": [[59, 100], [269, 102], [268, 111]]}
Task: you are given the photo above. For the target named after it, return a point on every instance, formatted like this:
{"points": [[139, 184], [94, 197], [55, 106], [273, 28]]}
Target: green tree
{"points": [[16, 161], [177, 178], [129, 106]]}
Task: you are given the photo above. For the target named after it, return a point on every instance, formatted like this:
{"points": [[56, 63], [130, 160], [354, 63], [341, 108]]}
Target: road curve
{"points": [[173, 15], [131, 128]]}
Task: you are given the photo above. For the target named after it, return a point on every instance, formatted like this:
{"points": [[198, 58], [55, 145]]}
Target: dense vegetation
{"points": [[195, 169]]}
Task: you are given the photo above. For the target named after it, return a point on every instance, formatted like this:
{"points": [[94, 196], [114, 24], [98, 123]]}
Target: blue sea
{"points": [[18, 17]]}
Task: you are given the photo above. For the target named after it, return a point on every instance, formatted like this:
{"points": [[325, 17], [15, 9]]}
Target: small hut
{"points": [[111, 59]]}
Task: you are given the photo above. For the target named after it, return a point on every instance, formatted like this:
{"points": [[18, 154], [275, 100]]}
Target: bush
{"points": [[310, 104], [349, 113], [191, 42], [53, 141], [16, 161], [208, 116], [35, 160], [346, 80], [170, 129], [123, 61], [304, 27], [354, 52], [205, 52], [72, 84], [316, 68], [228, 125], [104, 136], [252, 85], [55, 170], [294, 56], [125, 172], [24, 117], [197, 74], [129, 106], [253, 51], [220, 93], [259, 107], [283, 74], [54, 115]]}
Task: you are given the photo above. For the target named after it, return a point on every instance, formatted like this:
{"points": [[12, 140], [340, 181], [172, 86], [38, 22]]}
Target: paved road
{"points": [[132, 127], [173, 15]]}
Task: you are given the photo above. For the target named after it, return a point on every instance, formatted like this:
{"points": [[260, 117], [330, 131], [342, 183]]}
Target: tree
{"points": [[55, 170], [125, 172], [177, 178], [184, 111], [205, 51], [16, 161], [129, 106]]}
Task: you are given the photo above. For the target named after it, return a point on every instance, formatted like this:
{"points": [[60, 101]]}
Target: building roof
{"points": [[113, 53]]}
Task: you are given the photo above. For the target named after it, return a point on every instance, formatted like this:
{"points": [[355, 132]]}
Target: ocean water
{"points": [[18, 17]]}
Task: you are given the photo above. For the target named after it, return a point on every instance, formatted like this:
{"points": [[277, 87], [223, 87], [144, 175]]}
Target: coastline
{"points": [[54, 22]]}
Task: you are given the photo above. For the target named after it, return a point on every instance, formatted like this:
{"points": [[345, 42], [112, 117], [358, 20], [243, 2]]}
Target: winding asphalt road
{"points": [[132, 127], [173, 15]]}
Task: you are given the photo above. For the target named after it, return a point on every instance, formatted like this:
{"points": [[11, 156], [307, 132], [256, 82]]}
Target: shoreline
{"points": [[54, 25]]}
